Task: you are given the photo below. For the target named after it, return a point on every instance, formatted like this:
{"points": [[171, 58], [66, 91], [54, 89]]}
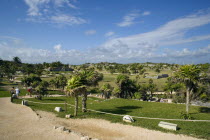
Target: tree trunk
{"points": [[76, 105], [84, 105], [187, 100]]}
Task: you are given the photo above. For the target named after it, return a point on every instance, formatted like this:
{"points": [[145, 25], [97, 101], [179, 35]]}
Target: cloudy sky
{"points": [[124, 31]]}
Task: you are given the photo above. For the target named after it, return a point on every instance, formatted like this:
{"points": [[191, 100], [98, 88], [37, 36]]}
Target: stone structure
{"points": [[128, 118], [58, 109], [167, 125]]}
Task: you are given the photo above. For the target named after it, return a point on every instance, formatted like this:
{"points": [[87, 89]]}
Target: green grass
{"points": [[52, 92], [111, 78], [5, 87], [136, 108]]}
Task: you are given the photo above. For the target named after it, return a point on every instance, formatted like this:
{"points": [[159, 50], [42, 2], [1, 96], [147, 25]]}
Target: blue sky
{"points": [[124, 31]]}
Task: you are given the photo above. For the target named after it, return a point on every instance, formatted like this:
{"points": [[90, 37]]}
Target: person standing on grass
{"points": [[12, 91], [17, 91], [30, 91]]}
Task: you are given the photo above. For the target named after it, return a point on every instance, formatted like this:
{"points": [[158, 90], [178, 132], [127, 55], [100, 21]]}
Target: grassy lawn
{"points": [[111, 78], [5, 87], [135, 108]]}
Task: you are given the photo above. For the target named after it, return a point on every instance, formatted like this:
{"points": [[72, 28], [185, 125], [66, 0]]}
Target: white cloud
{"points": [[52, 11], [90, 32], [34, 6], [146, 13], [57, 47], [61, 3], [171, 33], [67, 19], [128, 19], [119, 53], [110, 33], [136, 48]]}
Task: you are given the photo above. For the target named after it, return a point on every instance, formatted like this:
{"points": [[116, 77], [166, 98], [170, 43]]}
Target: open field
{"points": [[111, 78], [135, 108]]}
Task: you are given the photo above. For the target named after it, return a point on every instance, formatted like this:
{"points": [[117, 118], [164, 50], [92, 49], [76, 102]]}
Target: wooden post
{"points": [[65, 107]]}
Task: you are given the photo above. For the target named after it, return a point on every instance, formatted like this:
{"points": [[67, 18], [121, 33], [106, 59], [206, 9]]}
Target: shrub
{"points": [[204, 97], [179, 99], [185, 116], [94, 90]]}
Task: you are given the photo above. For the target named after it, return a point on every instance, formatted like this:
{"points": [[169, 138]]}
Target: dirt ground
{"points": [[18, 122]]}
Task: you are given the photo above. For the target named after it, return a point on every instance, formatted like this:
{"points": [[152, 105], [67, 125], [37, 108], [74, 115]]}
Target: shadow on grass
{"points": [[121, 110], [54, 99], [204, 110]]}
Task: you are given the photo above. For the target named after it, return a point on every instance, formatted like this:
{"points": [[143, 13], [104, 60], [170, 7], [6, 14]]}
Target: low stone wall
{"points": [[199, 103]]}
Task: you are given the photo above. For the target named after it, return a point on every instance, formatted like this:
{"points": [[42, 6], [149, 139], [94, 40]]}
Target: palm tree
{"points": [[107, 89], [127, 86], [117, 92], [151, 88], [190, 76], [88, 78], [73, 88]]}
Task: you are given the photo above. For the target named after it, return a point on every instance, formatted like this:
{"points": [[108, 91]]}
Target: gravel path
{"points": [[21, 123]]}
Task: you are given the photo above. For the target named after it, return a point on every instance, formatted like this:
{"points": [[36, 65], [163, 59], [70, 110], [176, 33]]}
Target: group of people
{"points": [[14, 93]]}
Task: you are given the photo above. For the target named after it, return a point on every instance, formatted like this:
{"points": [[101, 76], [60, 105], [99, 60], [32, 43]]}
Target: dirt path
{"points": [[20, 122]]}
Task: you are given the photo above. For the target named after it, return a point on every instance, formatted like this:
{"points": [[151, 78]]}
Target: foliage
{"points": [[185, 116], [179, 98], [94, 90], [42, 89], [190, 76], [31, 80], [171, 86], [17, 60], [60, 81], [74, 88], [204, 97], [106, 90], [151, 87], [127, 86], [142, 92]]}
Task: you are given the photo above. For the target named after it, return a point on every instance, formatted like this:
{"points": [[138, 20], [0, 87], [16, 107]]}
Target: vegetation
{"points": [[190, 76], [136, 108], [124, 82]]}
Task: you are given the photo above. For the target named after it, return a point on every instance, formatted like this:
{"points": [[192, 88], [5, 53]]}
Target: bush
{"points": [[179, 99], [185, 116], [94, 90], [204, 97]]}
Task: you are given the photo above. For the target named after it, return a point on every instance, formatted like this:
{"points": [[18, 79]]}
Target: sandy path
{"points": [[20, 122]]}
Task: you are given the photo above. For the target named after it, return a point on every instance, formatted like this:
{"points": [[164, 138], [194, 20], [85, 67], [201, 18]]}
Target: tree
{"points": [[28, 69], [117, 92], [61, 81], [39, 68], [88, 78], [42, 88], [127, 87], [8, 69], [53, 83], [107, 89], [17, 60], [142, 91], [151, 87], [189, 75], [74, 88], [31, 80], [171, 86]]}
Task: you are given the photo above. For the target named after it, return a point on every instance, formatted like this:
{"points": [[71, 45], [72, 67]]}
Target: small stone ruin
{"points": [[128, 118]]}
